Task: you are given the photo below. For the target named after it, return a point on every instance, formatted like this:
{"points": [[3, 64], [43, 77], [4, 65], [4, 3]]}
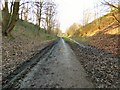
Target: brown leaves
{"points": [[17, 51], [106, 42]]}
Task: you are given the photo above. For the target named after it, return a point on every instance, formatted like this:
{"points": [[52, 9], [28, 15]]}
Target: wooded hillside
{"points": [[103, 24]]}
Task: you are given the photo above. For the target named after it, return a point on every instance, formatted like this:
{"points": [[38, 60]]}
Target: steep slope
{"points": [[102, 33], [24, 43], [108, 37], [107, 21]]}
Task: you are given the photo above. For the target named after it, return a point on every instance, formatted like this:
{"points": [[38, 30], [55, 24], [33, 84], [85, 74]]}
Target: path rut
{"points": [[60, 70]]}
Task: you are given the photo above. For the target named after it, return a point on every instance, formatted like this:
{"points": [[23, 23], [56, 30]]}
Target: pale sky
{"points": [[70, 11]]}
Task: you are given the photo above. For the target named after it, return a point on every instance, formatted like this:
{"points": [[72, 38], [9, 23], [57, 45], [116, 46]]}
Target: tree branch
{"points": [[109, 4]]}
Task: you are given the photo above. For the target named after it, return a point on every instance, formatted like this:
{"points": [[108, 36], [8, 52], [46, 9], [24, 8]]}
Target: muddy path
{"points": [[25, 67], [58, 69]]}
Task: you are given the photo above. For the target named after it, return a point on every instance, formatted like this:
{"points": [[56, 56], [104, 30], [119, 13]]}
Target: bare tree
{"points": [[39, 13], [9, 18], [86, 17], [115, 8], [43, 12], [25, 12], [22, 12], [50, 12], [24, 9]]}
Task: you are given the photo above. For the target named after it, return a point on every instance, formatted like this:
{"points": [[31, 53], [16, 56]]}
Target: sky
{"points": [[71, 11]]}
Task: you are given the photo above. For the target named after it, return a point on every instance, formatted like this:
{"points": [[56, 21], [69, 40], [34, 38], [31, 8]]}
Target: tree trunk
{"points": [[39, 24], [39, 14], [9, 19], [14, 17], [21, 14], [5, 18]]}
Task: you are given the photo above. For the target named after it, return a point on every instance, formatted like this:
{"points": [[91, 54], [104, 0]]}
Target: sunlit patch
{"points": [[113, 31]]}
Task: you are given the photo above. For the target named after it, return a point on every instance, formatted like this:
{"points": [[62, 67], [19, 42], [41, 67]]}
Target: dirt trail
{"points": [[60, 70]]}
